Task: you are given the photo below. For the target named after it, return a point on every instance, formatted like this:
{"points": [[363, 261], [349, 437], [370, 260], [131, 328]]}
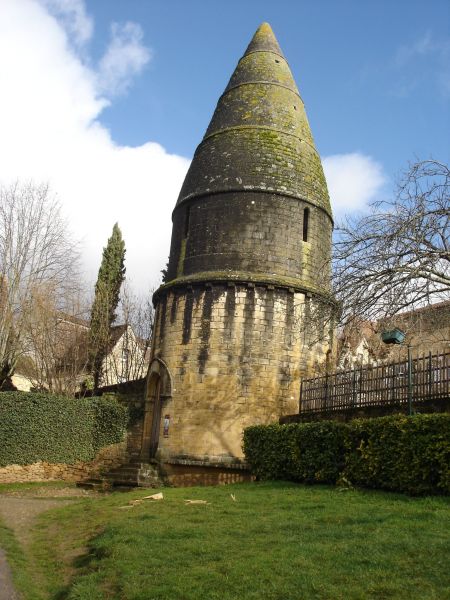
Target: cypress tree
{"points": [[110, 277]]}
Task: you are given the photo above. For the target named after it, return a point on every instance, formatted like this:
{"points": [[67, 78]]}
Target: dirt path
{"points": [[19, 514], [18, 511], [7, 590]]}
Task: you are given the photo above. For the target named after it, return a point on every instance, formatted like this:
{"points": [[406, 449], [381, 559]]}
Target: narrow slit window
{"points": [[305, 224], [186, 221]]}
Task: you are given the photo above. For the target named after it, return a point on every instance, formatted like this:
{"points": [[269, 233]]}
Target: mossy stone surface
{"points": [[259, 137]]}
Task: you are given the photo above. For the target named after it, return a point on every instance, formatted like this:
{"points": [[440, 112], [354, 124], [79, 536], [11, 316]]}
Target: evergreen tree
{"points": [[110, 277]]}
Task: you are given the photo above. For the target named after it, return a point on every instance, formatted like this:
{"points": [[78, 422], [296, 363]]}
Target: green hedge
{"points": [[399, 453], [42, 427], [319, 452], [408, 454], [269, 450]]}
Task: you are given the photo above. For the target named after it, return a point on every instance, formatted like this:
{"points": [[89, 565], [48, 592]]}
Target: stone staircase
{"points": [[131, 474]]}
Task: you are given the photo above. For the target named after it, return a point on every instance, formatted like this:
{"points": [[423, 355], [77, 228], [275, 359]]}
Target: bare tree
{"points": [[397, 257], [127, 359], [137, 310], [56, 358], [35, 250]]}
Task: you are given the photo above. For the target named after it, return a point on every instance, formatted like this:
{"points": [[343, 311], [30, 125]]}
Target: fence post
{"points": [[410, 382], [300, 399], [354, 396], [324, 394], [392, 386], [360, 384], [430, 375]]}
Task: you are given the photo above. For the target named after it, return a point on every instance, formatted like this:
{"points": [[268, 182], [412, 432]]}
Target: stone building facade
{"points": [[242, 315], [426, 329]]}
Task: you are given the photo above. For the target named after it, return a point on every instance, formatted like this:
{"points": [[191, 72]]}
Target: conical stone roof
{"points": [[259, 138]]}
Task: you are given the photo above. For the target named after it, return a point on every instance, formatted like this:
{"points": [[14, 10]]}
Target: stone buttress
{"points": [[248, 266]]}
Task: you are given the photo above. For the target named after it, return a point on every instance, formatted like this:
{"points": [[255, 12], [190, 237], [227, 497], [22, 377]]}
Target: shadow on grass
{"points": [[272, 540], [87, 563], [18, 563]]}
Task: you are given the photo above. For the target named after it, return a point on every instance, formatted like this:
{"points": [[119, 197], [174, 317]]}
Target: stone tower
{"points": [[239, 313]]}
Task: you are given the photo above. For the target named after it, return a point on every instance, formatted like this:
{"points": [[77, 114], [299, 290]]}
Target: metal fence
{"points": [[423, 378]]}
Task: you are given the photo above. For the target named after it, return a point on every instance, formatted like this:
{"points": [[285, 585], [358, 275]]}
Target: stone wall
{"points": [[239, 319], [131, 394], [106, 459], [236, 354], [258, 234], [187, 475]]}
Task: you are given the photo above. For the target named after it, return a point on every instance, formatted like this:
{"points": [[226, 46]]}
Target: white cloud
{"points": [[425, 61], [50, 131], [124, 58], [72, 15], [420, 47], [49, 110], [353, 181]]}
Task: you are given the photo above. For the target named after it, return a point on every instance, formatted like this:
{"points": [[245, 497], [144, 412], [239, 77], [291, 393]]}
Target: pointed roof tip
{"points": [[265, 28], [264, 40]]}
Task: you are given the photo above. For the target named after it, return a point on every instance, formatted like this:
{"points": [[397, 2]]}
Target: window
{"points": [[186, 221], [305, 224], [125, 362]]}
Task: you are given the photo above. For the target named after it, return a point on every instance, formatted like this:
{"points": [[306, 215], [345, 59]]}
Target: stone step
{"points": [[141, 465], [135, 474], [124, 481], [123, 471], [131, 474], [94, 484], [133, 484]]}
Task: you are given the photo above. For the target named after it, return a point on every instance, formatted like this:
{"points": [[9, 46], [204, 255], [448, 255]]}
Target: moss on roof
{"points": [[259, 137], [264, 40]]}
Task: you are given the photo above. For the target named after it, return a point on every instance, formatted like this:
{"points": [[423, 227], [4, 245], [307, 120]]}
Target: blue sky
{"points": [[375, 76], [107, 100]]}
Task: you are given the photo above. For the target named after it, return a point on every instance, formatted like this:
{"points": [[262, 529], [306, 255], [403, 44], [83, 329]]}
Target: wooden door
{"points": [[156, 421]]}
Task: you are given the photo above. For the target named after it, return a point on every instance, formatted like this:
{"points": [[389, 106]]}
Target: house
{"points": [[427, 331], [127, 357], [57, 358]]}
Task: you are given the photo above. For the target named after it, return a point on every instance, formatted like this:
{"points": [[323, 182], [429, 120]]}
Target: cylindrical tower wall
{"points": [[240, 315], [261, 234], [236, 354]]}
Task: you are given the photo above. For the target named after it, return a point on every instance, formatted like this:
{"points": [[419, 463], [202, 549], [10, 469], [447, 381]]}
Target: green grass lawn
{"points": [[277, 541]]}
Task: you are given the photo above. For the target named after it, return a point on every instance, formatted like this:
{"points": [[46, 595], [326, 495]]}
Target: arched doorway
{"points": [[158, 390], [155, 398]]}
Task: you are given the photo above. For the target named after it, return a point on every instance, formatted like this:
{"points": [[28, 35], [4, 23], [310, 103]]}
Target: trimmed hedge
{"points": [[42, 427], [398, 453], [269, 450], [319, 452]]}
